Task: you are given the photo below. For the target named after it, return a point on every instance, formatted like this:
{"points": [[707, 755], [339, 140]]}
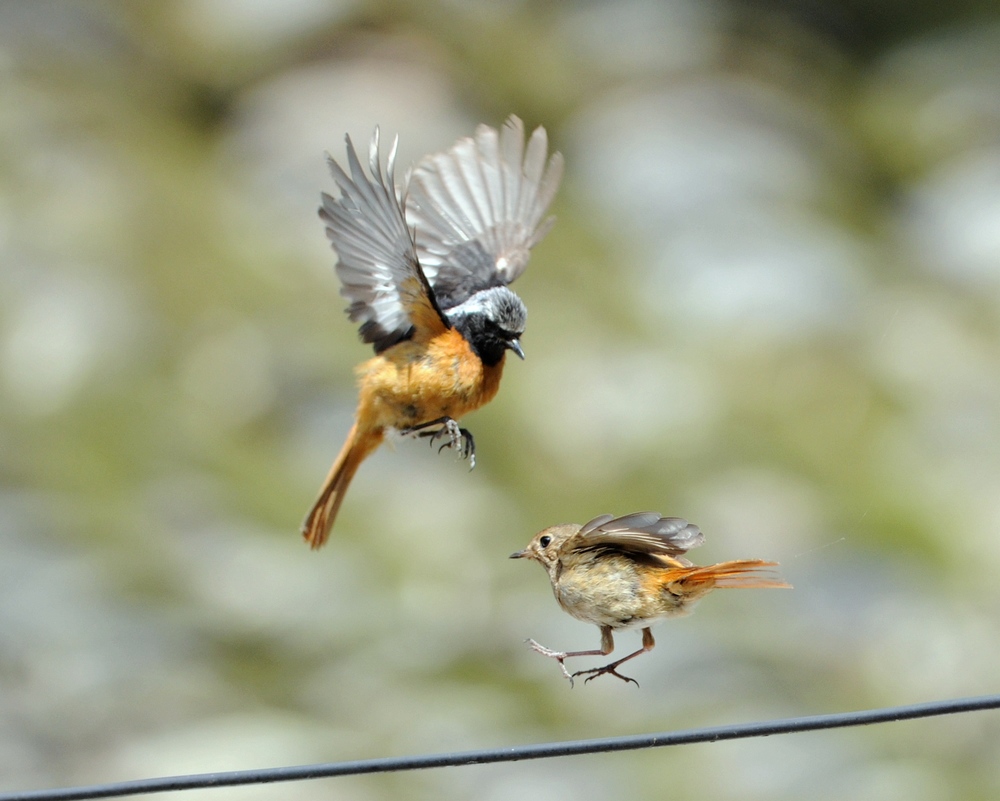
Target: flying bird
{"points": [[426, 269], [629, 572]]}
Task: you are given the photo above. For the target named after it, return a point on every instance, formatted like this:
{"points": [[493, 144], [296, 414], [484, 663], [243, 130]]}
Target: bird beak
{"points": [[519, 554], [515, 346]]}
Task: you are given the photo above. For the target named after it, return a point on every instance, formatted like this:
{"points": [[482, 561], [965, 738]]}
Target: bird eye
{"points": [[544, 541]]}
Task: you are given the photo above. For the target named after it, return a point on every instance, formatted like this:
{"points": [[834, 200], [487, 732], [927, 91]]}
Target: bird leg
{"points": [[607, 646], [612, 668], [458, 439]]}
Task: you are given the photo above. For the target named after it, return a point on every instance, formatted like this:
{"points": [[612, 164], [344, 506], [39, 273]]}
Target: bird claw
{"points": [[458, 439], [600, 671], [559, 656]]}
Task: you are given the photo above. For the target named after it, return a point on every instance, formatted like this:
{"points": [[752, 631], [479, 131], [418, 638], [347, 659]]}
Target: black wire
{"points": [[711, 734]]}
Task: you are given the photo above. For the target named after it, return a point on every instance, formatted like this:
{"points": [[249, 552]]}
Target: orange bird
{"points": [[628, 572], [426, 273]]}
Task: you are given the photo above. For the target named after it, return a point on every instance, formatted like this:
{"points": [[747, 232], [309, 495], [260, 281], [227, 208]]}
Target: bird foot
{"points": [[458, 439], [610, 670], [559, 656]]}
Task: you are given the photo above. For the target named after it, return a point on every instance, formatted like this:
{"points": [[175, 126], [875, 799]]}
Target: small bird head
{"points": [[546, 546], [491, 320]]}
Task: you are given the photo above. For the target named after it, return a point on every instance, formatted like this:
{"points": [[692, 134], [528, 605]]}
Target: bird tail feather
{"points": [[736, 574], [359, 444]]}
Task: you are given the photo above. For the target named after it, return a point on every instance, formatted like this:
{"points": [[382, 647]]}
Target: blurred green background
{"points": [[770, 304]]}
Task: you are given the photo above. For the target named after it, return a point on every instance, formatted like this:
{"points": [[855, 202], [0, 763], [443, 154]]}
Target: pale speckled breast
{"points": [[604, 591], [607, 590]]}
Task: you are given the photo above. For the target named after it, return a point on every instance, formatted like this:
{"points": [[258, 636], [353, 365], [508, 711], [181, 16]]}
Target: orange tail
{"points": [[316, 527], [738, 574]]}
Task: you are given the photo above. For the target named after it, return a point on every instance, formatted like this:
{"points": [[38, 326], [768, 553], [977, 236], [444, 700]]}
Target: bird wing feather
{"points": [[378, 267], [478, 208], [640, 533]]}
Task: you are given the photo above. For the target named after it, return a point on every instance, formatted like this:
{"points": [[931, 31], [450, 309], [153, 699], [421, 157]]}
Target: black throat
{"points": [[483, 338]]}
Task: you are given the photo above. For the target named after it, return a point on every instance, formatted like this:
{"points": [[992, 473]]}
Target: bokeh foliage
{"points": [[771, 304]]}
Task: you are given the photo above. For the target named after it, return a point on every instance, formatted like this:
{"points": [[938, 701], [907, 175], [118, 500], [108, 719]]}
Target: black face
{"points": [[491, 321], [508, 337], [487, 339]]}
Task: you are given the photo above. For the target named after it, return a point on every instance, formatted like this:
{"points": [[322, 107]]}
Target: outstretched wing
{"points": [[641, 533], [377, 266], [478, 209]]}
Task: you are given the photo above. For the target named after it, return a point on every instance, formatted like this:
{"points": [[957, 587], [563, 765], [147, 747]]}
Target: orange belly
{"points": [[416, 382]]}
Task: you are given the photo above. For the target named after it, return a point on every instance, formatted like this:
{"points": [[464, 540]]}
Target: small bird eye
{"points": [[544, 541]]}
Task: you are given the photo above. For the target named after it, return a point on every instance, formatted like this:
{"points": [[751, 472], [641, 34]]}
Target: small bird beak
{"points": [[515, 346], [519, 554]]}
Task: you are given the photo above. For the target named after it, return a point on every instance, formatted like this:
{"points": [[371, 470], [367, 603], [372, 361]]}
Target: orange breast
{"points": [[415, 382]]}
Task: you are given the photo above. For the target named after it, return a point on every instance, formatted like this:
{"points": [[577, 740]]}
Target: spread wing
{"points": [[641, 533], [479, 208], [377, 266]]}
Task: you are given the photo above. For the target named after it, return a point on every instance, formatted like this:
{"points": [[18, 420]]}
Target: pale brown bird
{"points": [[628, 572]]}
